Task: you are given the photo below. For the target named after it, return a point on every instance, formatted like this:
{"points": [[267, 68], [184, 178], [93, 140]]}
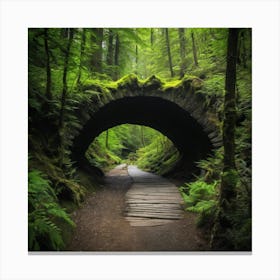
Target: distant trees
{"points": [[48, 66], [169, 52], [117, 54], [182, 40], [69, 38], [110, 52], [82, 51], [97, 50], [194, 50]]}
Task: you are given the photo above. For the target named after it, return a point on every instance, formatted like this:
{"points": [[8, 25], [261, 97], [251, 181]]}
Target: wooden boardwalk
{"points": [[152, 200]]}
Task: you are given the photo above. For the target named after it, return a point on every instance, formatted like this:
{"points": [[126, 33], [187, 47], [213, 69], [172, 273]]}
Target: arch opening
{"points": [[131, 144], [163, 115]]}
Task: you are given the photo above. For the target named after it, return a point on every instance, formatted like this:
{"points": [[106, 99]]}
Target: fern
{"points": [[44, 215], [200, 198], [199, 191]]}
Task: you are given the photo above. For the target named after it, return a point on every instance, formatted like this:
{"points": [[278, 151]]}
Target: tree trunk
{"points": [[97, 39], [169, 52], [48, 66], [182, 40], [83, 42], [228, 183], [136, 59], [117, 53], [194, 50], [64, 92], [152, 37], [229, 103], [244, 51], [110, 53]]}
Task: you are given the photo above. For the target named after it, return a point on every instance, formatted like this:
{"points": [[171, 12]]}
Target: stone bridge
{"points": [[177, 109]]}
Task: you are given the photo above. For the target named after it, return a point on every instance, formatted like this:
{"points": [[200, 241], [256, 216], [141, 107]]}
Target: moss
{"points": [[132, 82], [172, 84], [186, 82], [152, 82], [95, 85], [129, 81]]}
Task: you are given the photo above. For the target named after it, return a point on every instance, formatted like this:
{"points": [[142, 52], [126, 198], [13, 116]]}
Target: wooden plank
{"points": [[163, 196], [142, 190], [148, 215], [174, 212], [153, 185], [149, 197], [157, 206], [148, 223], [137, 221], [152, 189], [148, 192], [155, 213], [154, 193], [154, 210], [155, 201]]}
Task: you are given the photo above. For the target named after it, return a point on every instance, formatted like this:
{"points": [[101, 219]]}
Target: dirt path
{"points": [[102, 226]]}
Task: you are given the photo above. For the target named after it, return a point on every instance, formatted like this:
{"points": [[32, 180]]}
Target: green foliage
{"points": [[212, 166], [45, 215], [133, 144], [159, 157], [199, 191], [201, 198]]}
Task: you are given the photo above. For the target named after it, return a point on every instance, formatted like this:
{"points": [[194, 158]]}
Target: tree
{"points": [[182, 40], [96, 59], [194, 50], [136, 55], [110, 53], [229, 176], [82, 50], [169, 52], [116, 58], [152, 37], [48, 66], [69, 34]]}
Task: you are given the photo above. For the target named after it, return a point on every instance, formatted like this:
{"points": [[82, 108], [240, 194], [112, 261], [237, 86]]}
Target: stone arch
{"points": [[178, 110]]}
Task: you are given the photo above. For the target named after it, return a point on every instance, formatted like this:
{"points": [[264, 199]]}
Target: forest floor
{"points": [[102, 224]]}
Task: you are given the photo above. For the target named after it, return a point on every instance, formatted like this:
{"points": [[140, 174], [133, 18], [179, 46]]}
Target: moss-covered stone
{"points": [[129, 81], [152, 83]]}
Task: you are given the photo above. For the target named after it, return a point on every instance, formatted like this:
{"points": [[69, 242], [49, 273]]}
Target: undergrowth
{"points": [[201, 197], [159, 157], [45, 215]]}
